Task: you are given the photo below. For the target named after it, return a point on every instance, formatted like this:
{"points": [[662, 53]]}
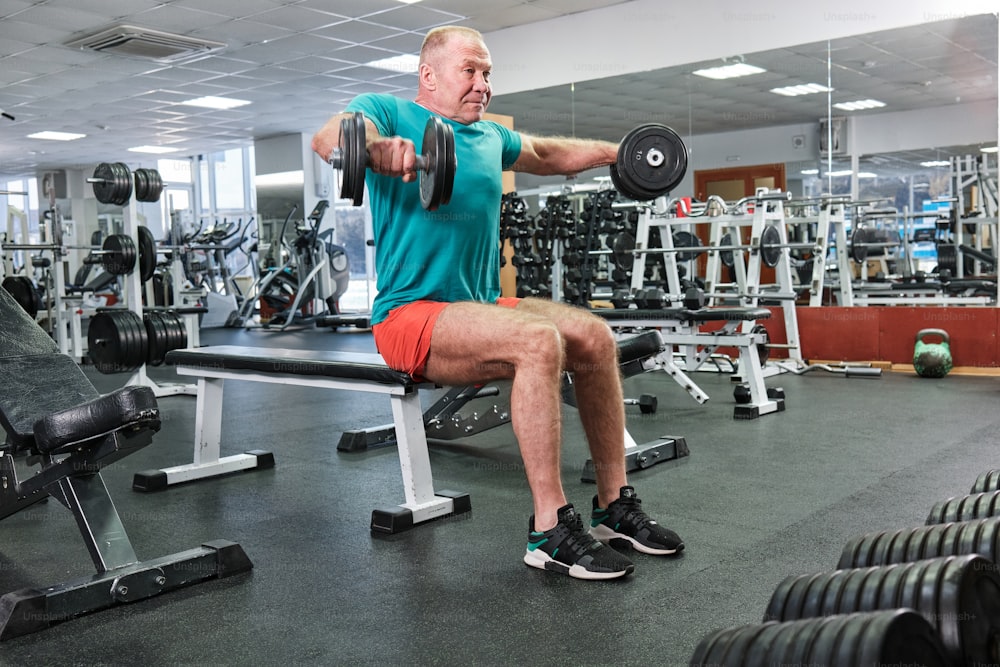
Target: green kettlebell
{"points": [[932, 360]]}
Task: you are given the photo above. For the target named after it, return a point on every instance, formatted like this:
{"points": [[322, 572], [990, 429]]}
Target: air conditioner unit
{"points": [[135, 42]]}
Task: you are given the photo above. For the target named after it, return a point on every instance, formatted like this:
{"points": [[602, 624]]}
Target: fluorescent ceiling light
{"points": [[56, 136], [988, 149], [211, 102], [809, 172], [729, 71], [155, 150], [406, 63], [859, 104], [801, 89], [408, 2], [848, 172], [280, 178], [935, 163]]}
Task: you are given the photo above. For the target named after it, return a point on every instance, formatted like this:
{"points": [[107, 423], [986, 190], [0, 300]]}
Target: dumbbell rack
{"points": [[132, 288]]}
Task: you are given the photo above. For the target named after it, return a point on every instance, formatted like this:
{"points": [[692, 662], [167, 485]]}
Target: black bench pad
{"points": [[127, 407], [685, 315], [324, 363], [638, 348], [36, 386]]}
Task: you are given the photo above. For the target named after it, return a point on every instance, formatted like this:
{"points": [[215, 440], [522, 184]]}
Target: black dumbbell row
{"points": [[926, 595]]}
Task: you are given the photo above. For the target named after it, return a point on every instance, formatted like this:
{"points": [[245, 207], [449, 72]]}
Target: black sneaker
{"points": [[569, 548], [624, 523]]}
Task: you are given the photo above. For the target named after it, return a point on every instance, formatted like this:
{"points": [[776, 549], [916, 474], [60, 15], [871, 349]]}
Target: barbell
{"points": [[119, 254], [113, 184], [651, 161], [688, 247]]}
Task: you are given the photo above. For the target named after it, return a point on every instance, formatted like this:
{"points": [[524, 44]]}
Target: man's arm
{"points": [[392, 156], [546, 156]]}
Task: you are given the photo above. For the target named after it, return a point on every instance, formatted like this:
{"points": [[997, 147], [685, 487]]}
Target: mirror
{"points": [[938, 82]]}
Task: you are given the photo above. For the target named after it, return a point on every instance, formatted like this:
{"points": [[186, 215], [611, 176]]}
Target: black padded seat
{"points": [[127, 408], [325, 363], [639, 347]]}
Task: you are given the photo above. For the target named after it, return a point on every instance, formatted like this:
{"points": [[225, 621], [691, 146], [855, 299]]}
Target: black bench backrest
{"points": [[35, 379], [19, 333]]}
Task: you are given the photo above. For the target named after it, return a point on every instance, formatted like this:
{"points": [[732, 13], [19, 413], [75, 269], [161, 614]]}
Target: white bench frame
{"points": [[421, 502]]}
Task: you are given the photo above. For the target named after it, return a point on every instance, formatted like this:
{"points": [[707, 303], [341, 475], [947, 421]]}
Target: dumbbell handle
{"points": [[337, 160]]}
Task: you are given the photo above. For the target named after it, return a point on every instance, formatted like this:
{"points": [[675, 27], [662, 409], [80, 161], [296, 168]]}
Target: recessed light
{"points": [[211, 102], [809, 172], [56, 136], [729, 71], [406, 63], [408, 2], [935, 163], [801, 89], [155, 150], [859, 104]]}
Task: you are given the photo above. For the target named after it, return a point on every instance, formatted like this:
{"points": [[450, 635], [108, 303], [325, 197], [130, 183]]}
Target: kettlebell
{"points": [[932, 360]]}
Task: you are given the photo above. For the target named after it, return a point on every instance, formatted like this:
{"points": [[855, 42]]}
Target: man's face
{"points": [[461, 72]]}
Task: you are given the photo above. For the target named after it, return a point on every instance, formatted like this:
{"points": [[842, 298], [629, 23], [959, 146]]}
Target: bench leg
{"points": [[207, 443], [422, 503], [646, 455], [752, 374]]}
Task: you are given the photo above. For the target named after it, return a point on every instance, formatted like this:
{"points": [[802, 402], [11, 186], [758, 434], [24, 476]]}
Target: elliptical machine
{"points": [[304, 289]]}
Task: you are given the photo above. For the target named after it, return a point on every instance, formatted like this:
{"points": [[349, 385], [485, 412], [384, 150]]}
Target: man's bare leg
{"points": [[592, 355], [473, 343]]}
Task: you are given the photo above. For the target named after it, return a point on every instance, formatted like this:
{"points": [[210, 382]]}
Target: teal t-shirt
{"points": [[450, 254]]}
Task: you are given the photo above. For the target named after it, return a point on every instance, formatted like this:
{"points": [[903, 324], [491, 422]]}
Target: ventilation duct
{"points": [[135, 42]]}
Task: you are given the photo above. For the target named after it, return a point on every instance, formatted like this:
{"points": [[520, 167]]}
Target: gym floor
{"points": [[756, 501]]}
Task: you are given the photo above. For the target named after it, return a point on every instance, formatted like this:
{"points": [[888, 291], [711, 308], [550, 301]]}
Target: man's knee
{"points": [[541, 339], [595, 342]]}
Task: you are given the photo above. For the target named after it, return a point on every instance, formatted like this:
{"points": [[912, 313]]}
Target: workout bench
{"points": [[54, 416], [680, 327], [354, 372]]}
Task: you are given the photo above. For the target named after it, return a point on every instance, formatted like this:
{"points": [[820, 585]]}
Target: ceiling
{"points": [[299, 61]]}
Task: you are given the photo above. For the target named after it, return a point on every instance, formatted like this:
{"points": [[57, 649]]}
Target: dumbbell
{"points": [[741, 394], [654, 298], [436, 163], [647, 403]]}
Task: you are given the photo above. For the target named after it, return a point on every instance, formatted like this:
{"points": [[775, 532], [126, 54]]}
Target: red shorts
{"points": [[404, 337]]}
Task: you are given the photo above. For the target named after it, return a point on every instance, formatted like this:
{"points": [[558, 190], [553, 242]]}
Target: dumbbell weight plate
{"points": [[112, 183], [438, 173], [354, 158], [147, 252], [770, 246], [652, 161], [24, 292], [860, 239], [727, 257], [684, 239], [148, 185], [116, 341], [119, 254]]}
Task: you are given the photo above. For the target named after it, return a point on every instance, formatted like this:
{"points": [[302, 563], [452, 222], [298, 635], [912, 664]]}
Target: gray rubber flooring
{"points": [[756, 501]]}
